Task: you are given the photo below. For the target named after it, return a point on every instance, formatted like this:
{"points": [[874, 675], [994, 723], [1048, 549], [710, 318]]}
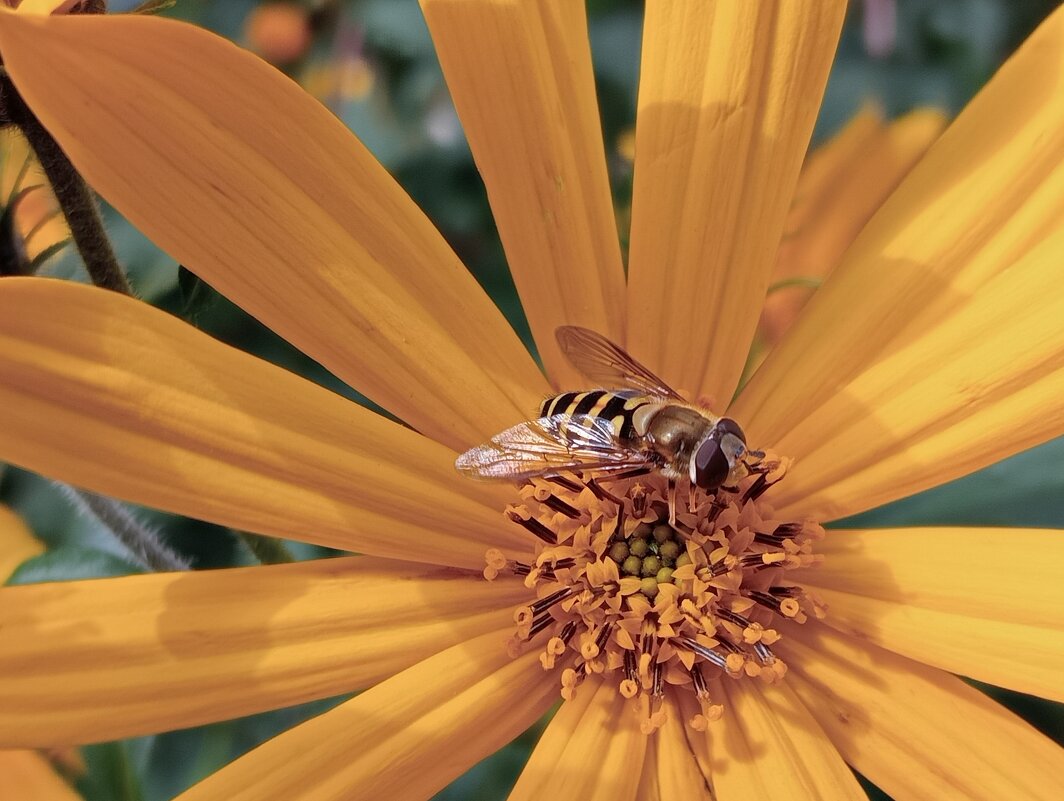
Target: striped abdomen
{"points": [[618, 406]]}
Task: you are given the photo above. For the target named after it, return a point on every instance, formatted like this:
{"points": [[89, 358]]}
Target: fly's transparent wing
{"points": [[550, 445], [608, 364]]}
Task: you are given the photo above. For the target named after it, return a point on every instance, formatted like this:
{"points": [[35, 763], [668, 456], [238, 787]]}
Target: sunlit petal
{"points": [[88, 661], [591, 751], [916, 731], [404, 739], [981, 385], [947, 597], [769, 747], [28, 776], [109, 394], [841, 186], [989, 191], [521, 79], [727, 98], [250, 183], [671, 770]]}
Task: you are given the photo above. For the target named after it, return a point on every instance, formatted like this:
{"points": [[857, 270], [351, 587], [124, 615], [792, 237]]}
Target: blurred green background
{"points": [[372, 62]]}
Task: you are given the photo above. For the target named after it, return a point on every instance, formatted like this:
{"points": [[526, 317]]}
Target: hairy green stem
{"points": [[268, 550], [142, 541], [75, 197]]}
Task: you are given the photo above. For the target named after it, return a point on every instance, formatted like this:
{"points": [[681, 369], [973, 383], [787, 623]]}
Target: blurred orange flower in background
{"points": [[933, 349]]}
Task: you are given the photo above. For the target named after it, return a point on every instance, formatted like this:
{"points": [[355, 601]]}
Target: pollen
{"points": [[654, 606]]}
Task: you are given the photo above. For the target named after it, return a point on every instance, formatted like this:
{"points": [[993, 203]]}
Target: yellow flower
{"points": [[934, 349]]}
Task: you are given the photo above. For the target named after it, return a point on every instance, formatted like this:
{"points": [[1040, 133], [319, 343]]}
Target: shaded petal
{"points": [[915, 731], [17, 543], [239, 175], [769, 747], [989, 190], [107, 393], [978, 601], [671, 770], [981, 385], [728, 94], [31, 777], [841, 186], [521, 79], [89, 661], [404, 739], [592, 749]]}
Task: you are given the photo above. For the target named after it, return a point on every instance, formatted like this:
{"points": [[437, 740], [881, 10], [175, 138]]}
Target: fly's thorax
{"points": [[672, 431]]}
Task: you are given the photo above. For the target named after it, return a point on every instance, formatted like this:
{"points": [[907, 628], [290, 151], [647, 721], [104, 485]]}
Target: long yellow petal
{"points": [[841, 186], [770, 747], [981, 385], [520, 76], [592, 750], [727, 98], [671, 770], [28, 776], [235, 172], [88, 661], [982, 602], [17, 543], [109, 394], [915, 731], [989, 190], [404, 739]]}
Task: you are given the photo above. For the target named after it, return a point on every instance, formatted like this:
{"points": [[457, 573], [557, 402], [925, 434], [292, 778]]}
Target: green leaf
{"points": [[71, 562]]}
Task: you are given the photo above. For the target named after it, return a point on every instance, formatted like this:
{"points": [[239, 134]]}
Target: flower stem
{"points": [[268, 550], [75, 197], [142, 541]]}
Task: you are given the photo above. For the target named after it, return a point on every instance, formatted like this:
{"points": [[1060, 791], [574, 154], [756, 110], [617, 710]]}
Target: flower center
{"points": [[659, 606]]}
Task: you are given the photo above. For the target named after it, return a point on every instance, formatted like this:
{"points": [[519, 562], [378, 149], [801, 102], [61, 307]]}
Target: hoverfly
{"points": [[635, 424]]}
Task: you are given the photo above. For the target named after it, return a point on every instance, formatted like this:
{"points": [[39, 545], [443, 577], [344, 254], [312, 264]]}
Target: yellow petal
{"points": [[982, 602], [981, 385], [591, 750], [671, 770], [28, 776], [44, 6], [36, 213], [915, 731], [841, 186], [404, 739], [727, 98], [253, 185], [109, 394], [521, 79], [88, 661], [989, 190], [769, 747], [17, 543]]}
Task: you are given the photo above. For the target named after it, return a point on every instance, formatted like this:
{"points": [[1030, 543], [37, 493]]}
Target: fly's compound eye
{"points": [[728, 426], [711, 465]]}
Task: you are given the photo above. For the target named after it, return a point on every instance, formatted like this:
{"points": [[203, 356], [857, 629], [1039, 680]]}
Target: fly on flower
{"points": [[635, 424]]}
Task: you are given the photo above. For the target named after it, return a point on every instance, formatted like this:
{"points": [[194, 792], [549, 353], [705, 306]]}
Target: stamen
{"points": [[558, 505], [651, 583], [601, 492], [543, 604], [534, 526], [568, 483]]}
